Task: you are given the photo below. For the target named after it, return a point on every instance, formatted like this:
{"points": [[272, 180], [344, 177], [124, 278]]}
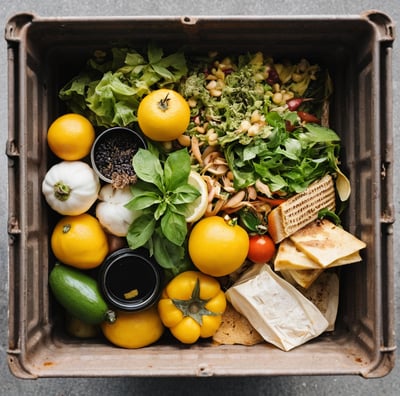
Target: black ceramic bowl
{"points": [[130, 280], [112, 152]]}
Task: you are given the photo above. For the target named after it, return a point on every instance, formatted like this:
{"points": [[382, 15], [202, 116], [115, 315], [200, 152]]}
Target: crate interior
{"points": [[54, 51]]}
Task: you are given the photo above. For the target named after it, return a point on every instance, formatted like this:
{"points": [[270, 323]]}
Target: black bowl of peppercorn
{"points": [[111, 155]]}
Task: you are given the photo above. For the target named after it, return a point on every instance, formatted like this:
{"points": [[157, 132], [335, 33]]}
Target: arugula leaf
{"points": [[318, 133], [286, 162]]}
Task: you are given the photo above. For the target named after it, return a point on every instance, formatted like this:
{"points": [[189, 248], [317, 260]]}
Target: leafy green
{"points": [[162, 193], [286, 161], [109, 90]]}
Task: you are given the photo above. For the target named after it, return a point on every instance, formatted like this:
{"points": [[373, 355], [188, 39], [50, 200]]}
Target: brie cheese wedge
{"points": [[275, 308]]}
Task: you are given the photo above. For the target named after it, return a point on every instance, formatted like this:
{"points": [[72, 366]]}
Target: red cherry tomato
{"points": [[261, 249]]}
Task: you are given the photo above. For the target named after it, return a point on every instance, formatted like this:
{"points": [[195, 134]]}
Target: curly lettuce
{"points": [[109, 90]]}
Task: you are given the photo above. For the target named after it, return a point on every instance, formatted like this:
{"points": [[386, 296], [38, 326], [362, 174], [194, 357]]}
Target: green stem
{"points": [[61, 191]]}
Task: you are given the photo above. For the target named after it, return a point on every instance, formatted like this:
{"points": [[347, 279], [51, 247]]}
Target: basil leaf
{"points": [[143, 201], [141, 187], [176, 169], [141, 230], [166, 253], [148, 168], [161, 208], [184, 194], [174, 227]]}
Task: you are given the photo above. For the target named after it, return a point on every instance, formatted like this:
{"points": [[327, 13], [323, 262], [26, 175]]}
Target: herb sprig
{"points": [[162, 193]]}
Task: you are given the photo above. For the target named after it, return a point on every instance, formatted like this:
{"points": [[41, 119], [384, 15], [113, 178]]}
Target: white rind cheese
{"points": [[275, 308]]}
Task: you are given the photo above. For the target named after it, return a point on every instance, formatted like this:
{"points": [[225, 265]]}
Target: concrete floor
{"points": [[315, 385]]}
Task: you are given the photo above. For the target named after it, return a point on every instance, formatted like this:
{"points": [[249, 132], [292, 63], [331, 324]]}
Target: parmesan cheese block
{"points": [[301, 209], [289, 257], [275, 308], [325, 243]]}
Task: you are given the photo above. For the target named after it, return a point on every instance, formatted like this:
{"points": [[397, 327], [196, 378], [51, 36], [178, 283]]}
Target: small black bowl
{"points": [[130, 280], [112, 153]]}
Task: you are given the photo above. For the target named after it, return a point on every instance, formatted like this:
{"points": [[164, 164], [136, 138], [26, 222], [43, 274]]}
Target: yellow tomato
{"points": [[163, 115], [191, 306], [134, 329], [218, 247], [70, 137], [79, 241]]}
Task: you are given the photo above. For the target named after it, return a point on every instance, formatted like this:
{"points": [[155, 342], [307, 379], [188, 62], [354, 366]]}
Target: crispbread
{"points": [[325, 243], [324, 293], [236, 329], [301, 209]]}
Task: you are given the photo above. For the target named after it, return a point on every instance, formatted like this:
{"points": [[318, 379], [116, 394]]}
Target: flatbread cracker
{"points": [[236, 329], [324, 242], [289, 257]]}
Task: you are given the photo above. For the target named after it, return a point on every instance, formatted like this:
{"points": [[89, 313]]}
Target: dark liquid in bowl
{"points": [[130, 276]]}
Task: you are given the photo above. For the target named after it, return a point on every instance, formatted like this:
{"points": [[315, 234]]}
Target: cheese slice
{"points": [[275, 308], [303, 278], [289, 257], [325, 243]]}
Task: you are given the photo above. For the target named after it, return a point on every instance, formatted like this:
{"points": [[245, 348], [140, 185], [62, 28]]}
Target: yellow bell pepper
{"points": [[191, 306]]}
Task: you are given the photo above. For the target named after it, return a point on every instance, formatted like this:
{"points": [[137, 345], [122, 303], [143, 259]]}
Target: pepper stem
{"points": [[194, 307]]}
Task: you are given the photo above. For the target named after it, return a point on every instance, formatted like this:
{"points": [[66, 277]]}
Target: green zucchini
{"points": [[79, 294]]}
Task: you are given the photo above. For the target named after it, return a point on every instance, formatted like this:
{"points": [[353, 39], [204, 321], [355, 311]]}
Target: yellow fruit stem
{"points": [[163, 103], [66, 228]]}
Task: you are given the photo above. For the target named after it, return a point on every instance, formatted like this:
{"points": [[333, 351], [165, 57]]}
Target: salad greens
{"points": [[110, 88], [287, 161], [161, 194]]}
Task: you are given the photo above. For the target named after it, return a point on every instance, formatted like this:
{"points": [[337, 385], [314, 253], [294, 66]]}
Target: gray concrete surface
{"points": [[314, 385]]}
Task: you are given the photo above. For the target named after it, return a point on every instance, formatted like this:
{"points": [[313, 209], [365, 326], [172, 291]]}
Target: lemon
{"points": [[197, 208]]}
